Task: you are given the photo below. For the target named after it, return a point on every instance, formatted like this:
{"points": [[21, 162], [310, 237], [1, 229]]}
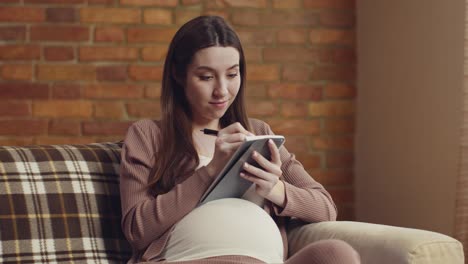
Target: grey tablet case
{"points": [[229, 184]]}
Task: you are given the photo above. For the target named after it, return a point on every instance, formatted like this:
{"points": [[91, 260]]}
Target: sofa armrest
{"points": [[381, 243]]}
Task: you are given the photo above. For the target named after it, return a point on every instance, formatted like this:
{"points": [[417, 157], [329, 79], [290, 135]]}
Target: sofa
{"points": [[60, 204]]}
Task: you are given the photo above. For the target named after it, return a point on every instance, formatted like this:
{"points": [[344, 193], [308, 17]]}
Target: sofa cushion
{"points": [[60, 203], [382, 244]]}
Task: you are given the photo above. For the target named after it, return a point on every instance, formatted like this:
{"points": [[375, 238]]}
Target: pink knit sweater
{"points": [[147, 220]]}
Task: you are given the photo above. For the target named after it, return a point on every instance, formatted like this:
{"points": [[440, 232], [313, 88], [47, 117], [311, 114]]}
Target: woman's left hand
{"points": [[267, 177]]}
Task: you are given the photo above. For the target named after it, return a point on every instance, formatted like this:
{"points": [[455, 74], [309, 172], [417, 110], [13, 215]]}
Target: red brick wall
{"points": [[78, 71]]}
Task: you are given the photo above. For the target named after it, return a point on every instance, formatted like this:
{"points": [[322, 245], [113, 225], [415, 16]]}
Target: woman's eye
{"points": [[233, 75], [205, 77]]}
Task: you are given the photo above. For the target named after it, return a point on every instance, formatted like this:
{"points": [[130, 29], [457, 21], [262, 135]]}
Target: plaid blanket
{"points": [[60, 203]]}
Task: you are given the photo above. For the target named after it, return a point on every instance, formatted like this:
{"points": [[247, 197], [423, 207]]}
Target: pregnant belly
{"points": [[226, 227]]}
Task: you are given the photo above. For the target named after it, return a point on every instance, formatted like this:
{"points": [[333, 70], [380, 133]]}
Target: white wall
{"points": [[410, 80]]}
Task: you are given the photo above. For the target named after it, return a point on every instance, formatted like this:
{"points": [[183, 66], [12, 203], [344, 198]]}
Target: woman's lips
{"points": [[221, 104]]}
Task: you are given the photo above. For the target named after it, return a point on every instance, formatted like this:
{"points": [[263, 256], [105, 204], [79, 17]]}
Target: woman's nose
{"points": [[221, 88]]}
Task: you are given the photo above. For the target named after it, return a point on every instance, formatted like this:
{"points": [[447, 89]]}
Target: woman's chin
{"points": [[217, 114]]}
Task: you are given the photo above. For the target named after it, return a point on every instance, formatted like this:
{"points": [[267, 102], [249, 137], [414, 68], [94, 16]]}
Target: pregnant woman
{"points": [[168, 164]]}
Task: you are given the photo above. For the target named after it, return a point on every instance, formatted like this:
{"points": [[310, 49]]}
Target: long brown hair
{"points": [[177, 155]]}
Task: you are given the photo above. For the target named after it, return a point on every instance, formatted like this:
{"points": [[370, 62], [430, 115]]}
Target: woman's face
{"points": [[213, 81]]}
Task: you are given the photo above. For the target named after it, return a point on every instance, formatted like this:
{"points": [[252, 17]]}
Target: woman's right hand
{"points": [[227, 142]]}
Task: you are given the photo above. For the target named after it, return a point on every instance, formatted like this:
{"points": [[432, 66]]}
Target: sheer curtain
{"points": [[461, 210]]}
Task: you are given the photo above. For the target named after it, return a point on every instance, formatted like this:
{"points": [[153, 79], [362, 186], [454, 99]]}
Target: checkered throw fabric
{"points": [[60, 204]]}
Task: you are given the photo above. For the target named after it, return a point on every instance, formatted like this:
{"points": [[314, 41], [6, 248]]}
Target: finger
{"points": [[266, 164], [226, 145], [258, 181], [231, 138], [259, 172], [235, 128], [274, 152]]}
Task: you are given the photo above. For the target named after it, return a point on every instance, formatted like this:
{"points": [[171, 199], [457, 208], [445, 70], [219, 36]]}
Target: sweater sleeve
{"points": [[146, 217], [306, 199]]}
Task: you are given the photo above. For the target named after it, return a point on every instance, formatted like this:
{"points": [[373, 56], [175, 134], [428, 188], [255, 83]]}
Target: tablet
{"points": [[229, 183]]}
